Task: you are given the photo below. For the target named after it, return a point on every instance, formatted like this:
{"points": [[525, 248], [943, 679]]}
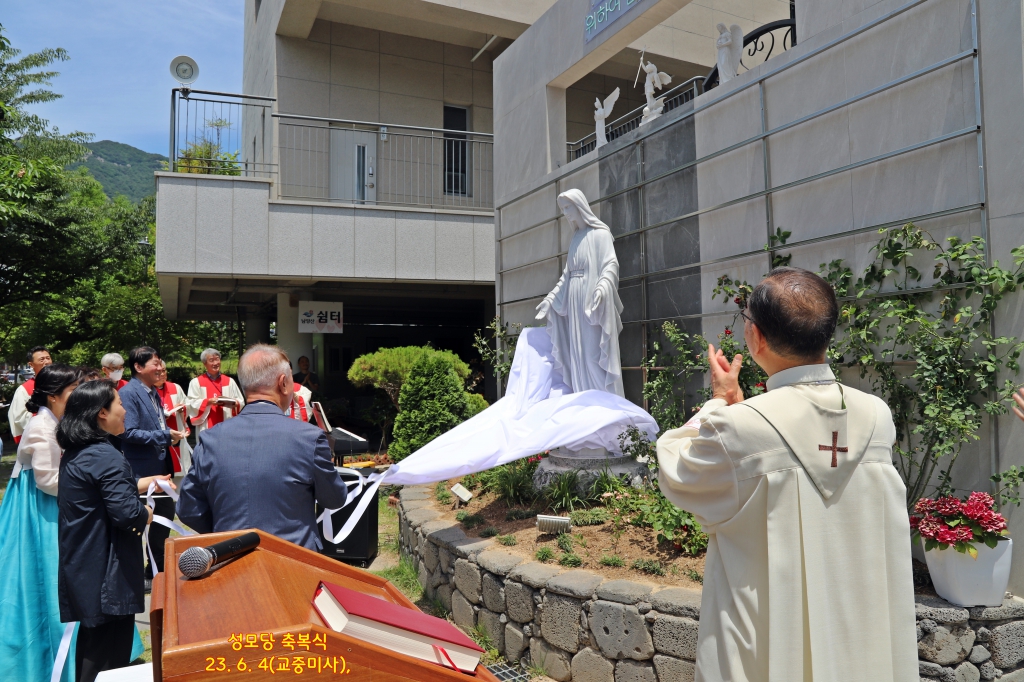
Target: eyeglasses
{"points": [[748, 318]]}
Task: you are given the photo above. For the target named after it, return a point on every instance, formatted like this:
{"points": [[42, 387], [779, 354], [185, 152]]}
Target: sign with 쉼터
{"points": [[320, 317]]}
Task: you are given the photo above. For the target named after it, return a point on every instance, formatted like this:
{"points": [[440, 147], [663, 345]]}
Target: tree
{"points": [[432, 402], [388, 368]]}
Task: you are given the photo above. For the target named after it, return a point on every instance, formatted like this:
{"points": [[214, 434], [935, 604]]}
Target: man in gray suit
{"points": [[262, 469]]}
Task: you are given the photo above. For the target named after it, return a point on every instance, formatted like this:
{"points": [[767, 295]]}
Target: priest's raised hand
{"points": [[808, 572]]}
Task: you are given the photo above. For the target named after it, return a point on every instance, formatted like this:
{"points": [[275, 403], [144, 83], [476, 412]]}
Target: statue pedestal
{"points": [[589, 463]]}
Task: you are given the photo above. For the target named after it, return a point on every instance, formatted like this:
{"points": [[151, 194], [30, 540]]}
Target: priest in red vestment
{"points": [[172, 400], [212, 397], [18, 414]]}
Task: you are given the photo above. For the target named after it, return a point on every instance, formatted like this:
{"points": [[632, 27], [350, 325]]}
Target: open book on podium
{"points": [[253, 619]]}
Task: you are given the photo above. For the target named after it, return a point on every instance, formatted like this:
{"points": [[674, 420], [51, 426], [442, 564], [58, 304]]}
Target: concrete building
{"points": [[885, 112], [363, 167]]}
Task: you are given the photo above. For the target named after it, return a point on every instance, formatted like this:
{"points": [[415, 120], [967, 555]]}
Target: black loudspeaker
{"points": [[360, 547]]}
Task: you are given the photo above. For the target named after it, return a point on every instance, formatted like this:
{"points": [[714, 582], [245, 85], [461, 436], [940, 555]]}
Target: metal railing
{"points": [[759, 45], [219, 133], [374, 163], [677, 96]]}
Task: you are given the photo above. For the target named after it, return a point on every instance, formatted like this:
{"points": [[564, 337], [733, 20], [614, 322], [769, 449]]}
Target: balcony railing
{"points": [[374, 163], [674, 97], [219, 133]]}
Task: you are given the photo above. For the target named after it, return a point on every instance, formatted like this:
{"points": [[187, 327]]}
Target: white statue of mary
{"points": [[583, 310]]}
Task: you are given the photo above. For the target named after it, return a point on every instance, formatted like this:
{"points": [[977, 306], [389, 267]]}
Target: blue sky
{"points": [[117, 84]]}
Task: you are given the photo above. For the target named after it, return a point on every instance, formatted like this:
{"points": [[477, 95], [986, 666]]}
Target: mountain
{"points": [[121, 168]]}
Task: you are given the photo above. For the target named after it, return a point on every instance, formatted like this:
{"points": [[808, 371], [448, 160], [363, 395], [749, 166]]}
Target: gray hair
{"points": [[206, 354], [112, 360], [260, 367]]}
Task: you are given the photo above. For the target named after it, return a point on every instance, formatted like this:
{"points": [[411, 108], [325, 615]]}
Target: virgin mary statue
{"points": [[583, 310]]}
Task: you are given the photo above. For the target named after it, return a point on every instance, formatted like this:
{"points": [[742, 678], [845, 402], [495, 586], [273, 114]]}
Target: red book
{"points": [[395, 627]]}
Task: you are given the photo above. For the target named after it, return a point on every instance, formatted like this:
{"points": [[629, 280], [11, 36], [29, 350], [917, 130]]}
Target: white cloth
{"points": [[38, 450], [585, 337], [179, 422], [539, 412], [808, 570], [17, 414]]}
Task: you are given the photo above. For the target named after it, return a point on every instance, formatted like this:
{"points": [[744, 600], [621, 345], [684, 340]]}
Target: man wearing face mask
{"points": [[112, 365], [262, 469]]}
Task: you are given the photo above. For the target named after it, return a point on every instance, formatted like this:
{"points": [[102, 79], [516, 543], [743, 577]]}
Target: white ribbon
{"points": [[162, 520], [370, 484], [62, 652]]}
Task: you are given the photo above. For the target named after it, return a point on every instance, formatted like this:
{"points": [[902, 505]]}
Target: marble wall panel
{"points": [[530, 246], [731, 176], [250, 226], [586, 180], [674, 295], [529, 210], [532, 281], [619, 169], [214, 215], [333, 242], [751, 269], [375, 244], [816, 208], [628, 251], [176, 216], [806, 88], [631, 346], [733, 230], [931, 179], [291, 240], [816, 146], [671, 147], [633, 386], [622, 213], [415, 246], [671, 197], [673, 245], [483, 249], [454, 247], [521, 313], [632, 302], [731, 121]]}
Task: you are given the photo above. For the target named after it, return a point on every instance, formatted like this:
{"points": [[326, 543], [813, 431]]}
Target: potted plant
{"points": [[977, 571]]}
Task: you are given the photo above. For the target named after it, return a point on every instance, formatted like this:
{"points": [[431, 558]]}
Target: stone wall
{"points": [[578, 626]]}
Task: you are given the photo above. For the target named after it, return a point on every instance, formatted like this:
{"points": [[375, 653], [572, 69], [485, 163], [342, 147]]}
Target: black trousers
{"points": [[162, 506], [104, 647]]}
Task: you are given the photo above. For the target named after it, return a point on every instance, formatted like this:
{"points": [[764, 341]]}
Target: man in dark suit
{"points": [[262, 469], [146, 439]]}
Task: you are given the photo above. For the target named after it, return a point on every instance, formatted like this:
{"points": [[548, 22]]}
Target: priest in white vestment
{"points": [[808, 572]]}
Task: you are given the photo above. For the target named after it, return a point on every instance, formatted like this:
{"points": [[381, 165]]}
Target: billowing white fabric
{"points": [[808, 571], [539, 412]]}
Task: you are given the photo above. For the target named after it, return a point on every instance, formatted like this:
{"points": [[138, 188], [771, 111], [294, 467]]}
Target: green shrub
{"points": [[589, 517], [432, 402], [563, 492], [471, 481], [649, 566], [476, 404], [564, 542], [606, 482], [545, 554], [489, 532], [513, 482], [571, 560], [670, 523], [695, 576], [507, 540], [613, 561], [460, 516], [389, 368], [441, 492], [520, 514], [470, 520]]}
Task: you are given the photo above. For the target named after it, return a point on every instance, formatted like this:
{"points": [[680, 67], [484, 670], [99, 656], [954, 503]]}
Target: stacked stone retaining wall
{"points": [[576, 625]]}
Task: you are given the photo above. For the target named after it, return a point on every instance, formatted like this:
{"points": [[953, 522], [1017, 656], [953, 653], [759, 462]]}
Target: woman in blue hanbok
{"points": [[30, 627]]}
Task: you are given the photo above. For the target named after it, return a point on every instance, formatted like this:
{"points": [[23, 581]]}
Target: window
{"points": [[456, 151]]}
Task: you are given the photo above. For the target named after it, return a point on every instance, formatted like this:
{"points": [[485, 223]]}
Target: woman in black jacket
{"points": [[101, 521]]}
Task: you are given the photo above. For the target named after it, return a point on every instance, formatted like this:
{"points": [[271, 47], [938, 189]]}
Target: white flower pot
{"points": [[964, 581]]}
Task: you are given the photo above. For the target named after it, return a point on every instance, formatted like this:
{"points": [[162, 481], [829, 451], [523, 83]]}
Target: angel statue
{"points": [[583, 311], [655, 80], [602, 112], [730, 51]]}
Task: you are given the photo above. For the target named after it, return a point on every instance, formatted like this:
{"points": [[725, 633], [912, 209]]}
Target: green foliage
{"points": [[507, 540], [441, 492], [471, 481], [925, 344], [205, 157], [589, 517], [520, 514], [606, 482], [513, 482], [389, 368], [483, 640], [570, 560], [405, 578], [562, 492], [489, 532], [613, 560], [544, 554], [121, 169], [564, 542], [496, 345], [695, 576], [432, 401], [1007, 486], [670, 523], [470, 521], [649, 566], [475, 404], [635, 443]]}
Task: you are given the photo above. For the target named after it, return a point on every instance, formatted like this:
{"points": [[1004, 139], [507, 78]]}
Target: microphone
{"points": [[195, 562]]}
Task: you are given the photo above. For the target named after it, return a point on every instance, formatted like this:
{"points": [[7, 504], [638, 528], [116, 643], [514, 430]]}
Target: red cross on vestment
{"points": [[834, 448]]}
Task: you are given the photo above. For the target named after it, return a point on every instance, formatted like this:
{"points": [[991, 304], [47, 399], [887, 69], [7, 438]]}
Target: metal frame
{"points": [[638, 140]]}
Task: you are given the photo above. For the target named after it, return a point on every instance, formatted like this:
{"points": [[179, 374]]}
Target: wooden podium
{"points": [[252, 619]]}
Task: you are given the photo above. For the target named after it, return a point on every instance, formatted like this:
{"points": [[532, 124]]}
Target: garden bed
{"points": [[617, 541]]}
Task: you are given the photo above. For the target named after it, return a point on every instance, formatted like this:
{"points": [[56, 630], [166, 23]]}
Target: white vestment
{"points": [[198, 406], [808, 570], [17, 414]]}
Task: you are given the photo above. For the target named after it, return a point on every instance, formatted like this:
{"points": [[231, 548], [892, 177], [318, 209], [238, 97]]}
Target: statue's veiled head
{"points": [[577, 211]]}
